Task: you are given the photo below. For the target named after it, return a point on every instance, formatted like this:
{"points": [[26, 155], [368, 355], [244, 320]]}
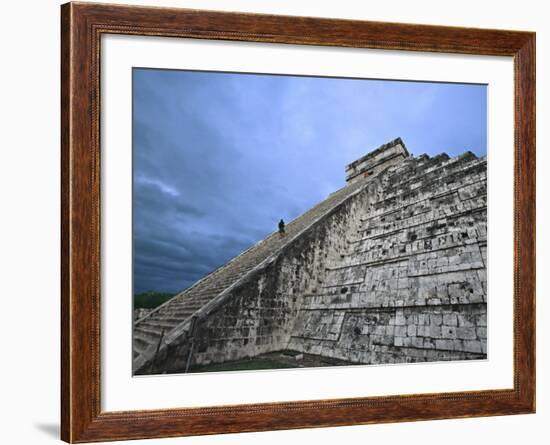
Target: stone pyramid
{"points": [[389, 269]]}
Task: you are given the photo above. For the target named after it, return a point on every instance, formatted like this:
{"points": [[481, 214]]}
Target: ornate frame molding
{"points": [[82, 25]]}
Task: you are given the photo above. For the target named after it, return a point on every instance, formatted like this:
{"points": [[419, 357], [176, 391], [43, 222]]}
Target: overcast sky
{"points": [[219, 158]]}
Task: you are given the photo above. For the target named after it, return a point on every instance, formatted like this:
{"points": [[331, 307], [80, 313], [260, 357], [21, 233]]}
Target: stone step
{"points": [[183, 314], [174, 318], [189, 302], [404, 195], [145, 337], [416, 168], [160, 323], [152, 331], [194, 303], [420, 212], [444, 169], [140, 344], [435, 165]]}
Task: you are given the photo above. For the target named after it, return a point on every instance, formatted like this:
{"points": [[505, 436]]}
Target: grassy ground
{"points": [[150, 300]]}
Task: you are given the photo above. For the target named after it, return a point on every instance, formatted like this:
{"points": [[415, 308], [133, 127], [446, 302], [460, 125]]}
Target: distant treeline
{"points": [[150, 299]]}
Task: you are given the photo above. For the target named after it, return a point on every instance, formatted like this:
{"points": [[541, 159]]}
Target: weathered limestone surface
{"points": [[140, 313], [377, 160], [389, 269]]}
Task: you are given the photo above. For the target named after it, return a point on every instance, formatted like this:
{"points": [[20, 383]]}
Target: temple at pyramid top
{"points": [[388, 154]]}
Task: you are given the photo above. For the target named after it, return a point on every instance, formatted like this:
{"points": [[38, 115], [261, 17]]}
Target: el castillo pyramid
{"points": [[389, 269]]}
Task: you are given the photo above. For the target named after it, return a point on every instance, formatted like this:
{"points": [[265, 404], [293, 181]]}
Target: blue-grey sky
{"points": [[219, 158]]}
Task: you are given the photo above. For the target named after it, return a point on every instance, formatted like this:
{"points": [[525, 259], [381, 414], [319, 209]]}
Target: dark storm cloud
{"points": [[220, 158]]}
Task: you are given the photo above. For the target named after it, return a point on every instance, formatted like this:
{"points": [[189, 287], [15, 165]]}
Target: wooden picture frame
{"points": [[82, 25]]}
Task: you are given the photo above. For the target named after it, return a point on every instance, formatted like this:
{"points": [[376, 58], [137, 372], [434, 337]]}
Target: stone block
{"points": [[429, 344], [422, 331], [472, 346], [400, 331], [399, 319], [387, 340], [450, 319], [481, 332], [436, 319], [434, 301], [466, 333], [481, 320], [423, 319], [464, 320], [448, 332], [447, 345], [477, 298]]}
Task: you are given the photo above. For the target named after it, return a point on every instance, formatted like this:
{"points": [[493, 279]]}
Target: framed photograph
{"points": [[274, 222]]}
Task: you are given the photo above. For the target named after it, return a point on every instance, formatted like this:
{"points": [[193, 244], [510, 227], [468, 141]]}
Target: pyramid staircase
{"points": [[173, 318]]}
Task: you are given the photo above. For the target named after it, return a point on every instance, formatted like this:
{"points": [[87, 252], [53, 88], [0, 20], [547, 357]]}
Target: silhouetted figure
{"points": [[281, 227]]}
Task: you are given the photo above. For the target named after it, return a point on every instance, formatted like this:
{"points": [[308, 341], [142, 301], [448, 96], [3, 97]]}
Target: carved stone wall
{"points": [[413, 285]]}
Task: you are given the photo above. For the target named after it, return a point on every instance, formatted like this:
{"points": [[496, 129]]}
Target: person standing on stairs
{"points": [[281, 227]]}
